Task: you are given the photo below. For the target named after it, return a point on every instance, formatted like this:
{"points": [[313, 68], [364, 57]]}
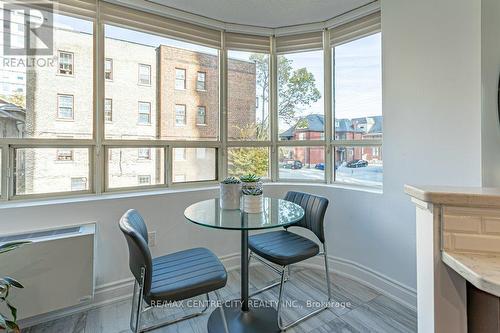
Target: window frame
{"points": [[185, 115], [110, 111], [150, 80], [184, 79], [59, 118], [204, 80], [72, 54], [139, 113], [97, 171], [110, 71], [198, 108]]}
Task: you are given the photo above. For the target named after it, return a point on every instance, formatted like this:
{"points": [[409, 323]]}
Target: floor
{"points": [[356, 308]]}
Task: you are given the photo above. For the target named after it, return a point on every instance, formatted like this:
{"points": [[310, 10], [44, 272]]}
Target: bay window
{"points": [[301, 107]]}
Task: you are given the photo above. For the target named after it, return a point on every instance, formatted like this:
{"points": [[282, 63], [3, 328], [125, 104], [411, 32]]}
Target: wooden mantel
{"points": [[458, 240]]}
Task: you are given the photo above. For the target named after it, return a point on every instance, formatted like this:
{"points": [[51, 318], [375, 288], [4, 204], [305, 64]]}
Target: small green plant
{"points": [[252, 191], [6, 283], [231, 180], [250, 178]]}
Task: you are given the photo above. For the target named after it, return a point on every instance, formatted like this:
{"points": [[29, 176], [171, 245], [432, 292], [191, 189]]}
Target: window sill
{"points": [[176, 188]]}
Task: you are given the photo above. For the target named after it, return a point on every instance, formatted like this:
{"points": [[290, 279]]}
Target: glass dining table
{"points": [[244, 315]]}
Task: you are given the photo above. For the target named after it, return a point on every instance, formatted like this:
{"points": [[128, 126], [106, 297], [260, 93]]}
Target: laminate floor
{"points": [[356, 308]]}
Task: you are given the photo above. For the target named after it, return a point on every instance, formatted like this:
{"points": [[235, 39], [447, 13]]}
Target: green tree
{"points": [[254, 160], [296, 87], [17, 99]]}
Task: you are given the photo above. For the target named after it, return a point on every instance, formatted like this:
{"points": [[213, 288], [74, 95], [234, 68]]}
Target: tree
{"points": [[296, 88], [16, 99]]}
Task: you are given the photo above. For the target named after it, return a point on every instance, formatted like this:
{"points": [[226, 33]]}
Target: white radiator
{"points": [[56, 269]]}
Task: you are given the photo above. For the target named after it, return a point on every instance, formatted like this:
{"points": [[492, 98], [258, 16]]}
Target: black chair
{"points": [[284, 248], [169, 278]]}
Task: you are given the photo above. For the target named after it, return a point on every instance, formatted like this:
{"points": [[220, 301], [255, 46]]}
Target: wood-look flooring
{"points": [[358, 308]]}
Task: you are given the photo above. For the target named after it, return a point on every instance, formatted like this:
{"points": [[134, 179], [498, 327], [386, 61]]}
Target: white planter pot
{"points": [[253, 203], [230, 195]]}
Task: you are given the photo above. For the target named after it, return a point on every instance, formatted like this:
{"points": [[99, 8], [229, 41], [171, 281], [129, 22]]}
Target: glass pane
{"points": [[194, 164], [166, 64], [129, 167], [358, 89], [300, 96], [302, 163], [49, 170], [359, 165], [243, 161], [30, 85], [248, 96]]}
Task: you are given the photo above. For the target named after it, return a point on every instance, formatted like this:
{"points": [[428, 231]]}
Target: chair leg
{"points": [[222, 311], [327, 272], [135, 315], [280, 297], [277, 271]]}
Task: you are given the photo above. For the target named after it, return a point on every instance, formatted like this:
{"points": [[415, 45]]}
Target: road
{"points": [[370, 175]]}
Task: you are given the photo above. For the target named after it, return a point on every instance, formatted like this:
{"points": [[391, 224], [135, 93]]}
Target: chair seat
{"points": [[186, 274], [282, 247]]}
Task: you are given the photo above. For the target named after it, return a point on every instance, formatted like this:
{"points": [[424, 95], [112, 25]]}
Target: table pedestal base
{"points": [[258, 319]]}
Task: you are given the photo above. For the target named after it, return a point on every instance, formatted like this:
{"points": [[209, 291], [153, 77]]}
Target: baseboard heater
{"points": [[56, 269]]}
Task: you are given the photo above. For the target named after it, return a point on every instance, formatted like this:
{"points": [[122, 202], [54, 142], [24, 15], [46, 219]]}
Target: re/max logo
{"points": [[28, 28]]}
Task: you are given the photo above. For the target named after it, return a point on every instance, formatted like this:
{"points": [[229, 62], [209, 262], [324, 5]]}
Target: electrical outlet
{"points": [[152, 238]]}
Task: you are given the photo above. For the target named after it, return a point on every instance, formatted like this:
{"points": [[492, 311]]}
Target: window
{"points": [[190, 166], [144, 153], [179, 178], [201, 117], [180, 154], [144, 113], [180, 115], [358, 112], [298, 163], [65, 106], [300, 95], [65, 155], [248, 83], [144, 74], [144, 179], [35, 171], [108, 109], [108, 69], [126, 167], [65, 63], [201, 81], [78, 184], [180, 79], [242, 160]]}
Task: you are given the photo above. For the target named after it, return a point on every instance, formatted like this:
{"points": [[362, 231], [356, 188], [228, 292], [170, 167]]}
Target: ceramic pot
{"points": [[253, 203], [230, 195]]}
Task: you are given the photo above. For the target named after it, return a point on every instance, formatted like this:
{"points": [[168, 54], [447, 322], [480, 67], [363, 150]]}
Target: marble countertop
{"points": [[456, 196], [482, 270]]}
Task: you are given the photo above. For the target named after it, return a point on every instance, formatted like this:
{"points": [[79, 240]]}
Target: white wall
{"points": [[490, 52], [432, 111]]}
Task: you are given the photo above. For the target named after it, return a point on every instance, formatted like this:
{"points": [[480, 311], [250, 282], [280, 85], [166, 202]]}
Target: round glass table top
{"points": [[277, 213]]}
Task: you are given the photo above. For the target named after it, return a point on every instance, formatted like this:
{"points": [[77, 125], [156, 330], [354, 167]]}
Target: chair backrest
{"points": [[314, 211], [136, 233]]}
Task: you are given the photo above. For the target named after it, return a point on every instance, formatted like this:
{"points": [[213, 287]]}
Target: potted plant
{"points": [[230, 193], [251, 181], [253, 200], [9, 322]]}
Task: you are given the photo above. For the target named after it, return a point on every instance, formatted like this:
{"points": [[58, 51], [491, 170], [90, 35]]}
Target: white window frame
{"points": [[204, 108], [141, 112], [61, 71], [59, 96], [204, 81], [108, 113], [98, 171], [180, 79], [110, 71], [184, 111], [141, 82]]}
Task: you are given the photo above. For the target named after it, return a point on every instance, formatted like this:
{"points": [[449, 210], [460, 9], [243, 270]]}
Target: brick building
{"points": [[151, 93]]}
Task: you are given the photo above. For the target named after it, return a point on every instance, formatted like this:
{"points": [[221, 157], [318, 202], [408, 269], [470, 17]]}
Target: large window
{"points": [[288, 112], [358, 111]]}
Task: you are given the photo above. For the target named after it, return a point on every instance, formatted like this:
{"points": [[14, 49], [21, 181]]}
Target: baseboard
{"points": [[383, 284], [120, 290]]}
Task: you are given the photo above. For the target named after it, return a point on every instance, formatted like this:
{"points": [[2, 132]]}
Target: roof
{"points": [[11, 111], [316, 122]]}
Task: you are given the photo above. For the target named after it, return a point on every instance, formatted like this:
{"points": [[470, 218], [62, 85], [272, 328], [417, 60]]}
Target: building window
{"points": [[65, 63], [65, 155], [108, 69], [180, 79], [144, 179], [201, 116], [179, 178], [144, 113], [108, 109], [144, 74], [201, 81], [179, 154], [180, 115], [144, 153], [65, 106], [78, 183]]}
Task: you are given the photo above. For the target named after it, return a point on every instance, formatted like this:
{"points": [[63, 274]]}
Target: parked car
{"points": [[357, 164], [320, 166], [292, 164]]}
